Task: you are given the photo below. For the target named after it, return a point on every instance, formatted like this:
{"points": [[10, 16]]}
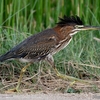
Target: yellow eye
{"points": [[76, 26]]}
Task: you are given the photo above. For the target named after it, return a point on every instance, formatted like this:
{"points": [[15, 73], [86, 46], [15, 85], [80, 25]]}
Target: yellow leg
{"points": [[65, 77], [21, 75], [50, 60], [19, 80]]}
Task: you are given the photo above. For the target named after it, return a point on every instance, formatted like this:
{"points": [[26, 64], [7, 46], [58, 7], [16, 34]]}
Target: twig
{"points": [[97, 39], [17, 82]]}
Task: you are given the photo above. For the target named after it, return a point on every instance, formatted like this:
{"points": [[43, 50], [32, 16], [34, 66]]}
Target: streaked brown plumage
{"points": [[49, 41], [45, 44]]}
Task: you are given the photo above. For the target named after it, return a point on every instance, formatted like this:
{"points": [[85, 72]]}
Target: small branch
{"points": [[97, 39]]}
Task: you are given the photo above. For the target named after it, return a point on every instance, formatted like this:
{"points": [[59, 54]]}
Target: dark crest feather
{"points": [[69, 21]]}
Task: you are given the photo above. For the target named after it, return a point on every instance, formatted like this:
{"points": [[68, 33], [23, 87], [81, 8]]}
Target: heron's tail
{"points": [[6, 56]]}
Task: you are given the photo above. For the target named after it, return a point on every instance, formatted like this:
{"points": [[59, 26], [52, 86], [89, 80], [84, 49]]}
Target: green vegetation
{"points": [[22, 18]]}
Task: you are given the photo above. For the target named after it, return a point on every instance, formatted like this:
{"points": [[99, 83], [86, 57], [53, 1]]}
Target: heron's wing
{"points": [[34, 47], [38, 49]]}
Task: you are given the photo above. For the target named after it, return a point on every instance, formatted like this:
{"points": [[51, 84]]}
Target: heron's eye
{"points": [[76, 26]]}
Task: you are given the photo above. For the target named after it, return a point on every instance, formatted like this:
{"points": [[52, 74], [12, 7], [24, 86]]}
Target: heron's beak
{"points": [[88, 27]]}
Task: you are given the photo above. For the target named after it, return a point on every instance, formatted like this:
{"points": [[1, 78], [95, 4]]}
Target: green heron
{"points": [[45, 44]]}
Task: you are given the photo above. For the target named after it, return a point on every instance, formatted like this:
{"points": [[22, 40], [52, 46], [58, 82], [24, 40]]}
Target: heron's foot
{"points": [[65, 77], [14, 90]]}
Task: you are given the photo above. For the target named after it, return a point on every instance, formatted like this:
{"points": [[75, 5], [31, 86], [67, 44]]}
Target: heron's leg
{"points": [[21, 75], [19, 80], [65, 77]]}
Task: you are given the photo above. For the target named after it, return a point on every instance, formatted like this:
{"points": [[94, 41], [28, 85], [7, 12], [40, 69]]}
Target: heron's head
{"points": [[74, 24]]}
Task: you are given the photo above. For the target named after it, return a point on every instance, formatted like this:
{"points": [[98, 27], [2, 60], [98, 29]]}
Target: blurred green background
{"points": [[22, 18]]}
